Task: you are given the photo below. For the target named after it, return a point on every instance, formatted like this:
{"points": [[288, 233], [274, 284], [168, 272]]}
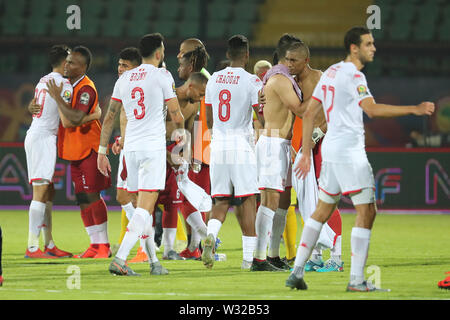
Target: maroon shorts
{"points": [[86, 177], [201, 178], [171, 195]]}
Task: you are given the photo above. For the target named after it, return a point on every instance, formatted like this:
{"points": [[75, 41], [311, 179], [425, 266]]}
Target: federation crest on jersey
{"points": [[362, 91], [67, 95], [84, 99], [173, 87]]}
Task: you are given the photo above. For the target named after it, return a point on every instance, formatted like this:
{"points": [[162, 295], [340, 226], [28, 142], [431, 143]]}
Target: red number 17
{"points": [[330, 88]]}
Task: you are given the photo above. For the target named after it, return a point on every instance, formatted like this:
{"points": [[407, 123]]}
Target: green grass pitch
{"points": [[411, 253]]}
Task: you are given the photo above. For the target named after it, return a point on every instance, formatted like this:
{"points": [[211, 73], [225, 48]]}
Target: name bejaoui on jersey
{"points": [[232, 93], [47, 120], [143, 92]]}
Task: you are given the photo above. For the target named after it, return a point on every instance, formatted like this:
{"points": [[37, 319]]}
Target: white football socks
{"points": [[308, 241], [214, 226], [168, 239], [195, 220], [199, 229], [278, 225], [135, 229], [148, 242], [47, 229], [36, 215], [360, 240], [263, 226], [248, 248], [102, 233], [336, 251], [129, 210]]}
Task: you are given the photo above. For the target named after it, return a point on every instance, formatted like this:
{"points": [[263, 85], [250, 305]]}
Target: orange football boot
{"points": [[38, 254], [141, 256], [103, 251], [57, 252], [191, 255], [445, 284], [89, 253]]}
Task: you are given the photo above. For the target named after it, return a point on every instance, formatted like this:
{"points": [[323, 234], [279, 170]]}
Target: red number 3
{"points": [[140, 102], [224, 102]]}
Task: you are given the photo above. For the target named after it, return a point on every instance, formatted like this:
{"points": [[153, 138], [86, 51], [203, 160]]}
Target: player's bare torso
{"points": [[278, 118]]}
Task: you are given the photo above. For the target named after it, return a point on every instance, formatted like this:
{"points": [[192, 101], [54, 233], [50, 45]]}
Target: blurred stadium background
{"points": [[411, 64]]}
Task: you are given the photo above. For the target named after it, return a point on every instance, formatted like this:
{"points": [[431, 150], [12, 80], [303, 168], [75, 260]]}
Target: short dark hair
{"points": [[283, 44], [131, 54], [198, 77], [57, 54], [237, 46], [301, 46], [149, 43], [353, 36], [198, 58], [86, 53]]}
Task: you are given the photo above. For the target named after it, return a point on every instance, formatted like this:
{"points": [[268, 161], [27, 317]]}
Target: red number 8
{"points": [[225, 102], [140, 102]]}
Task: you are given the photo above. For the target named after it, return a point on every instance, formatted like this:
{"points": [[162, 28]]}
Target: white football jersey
{"points": [[232, 93], [340, 90], [48, 119], [143, 92]]}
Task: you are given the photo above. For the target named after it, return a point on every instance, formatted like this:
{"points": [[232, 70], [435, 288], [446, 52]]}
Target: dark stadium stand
{"points": [[405, 23]]}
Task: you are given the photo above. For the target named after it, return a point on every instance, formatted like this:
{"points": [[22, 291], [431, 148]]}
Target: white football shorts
{"points": [[40, 150], [347, 179], [146, 170], [233, 172], [274, 163]]}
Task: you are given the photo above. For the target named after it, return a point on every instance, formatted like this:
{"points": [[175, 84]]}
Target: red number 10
{"points": [[37, 95], [330, 88], [140, 102]]}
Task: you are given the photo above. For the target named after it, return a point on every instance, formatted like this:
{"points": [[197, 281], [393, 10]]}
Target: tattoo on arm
{"points": [[108, 122]]}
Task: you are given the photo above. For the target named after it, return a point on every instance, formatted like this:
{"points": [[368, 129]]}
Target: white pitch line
{"points": [[170, 294]]}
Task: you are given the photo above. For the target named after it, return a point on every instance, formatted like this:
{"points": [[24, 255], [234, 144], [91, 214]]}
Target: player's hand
{"points": [[117, 146], [98, 112], [303, 167], [103, 164], [53, 89], [293, 154], [33, 107], [425, 108], [261, 97]]}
